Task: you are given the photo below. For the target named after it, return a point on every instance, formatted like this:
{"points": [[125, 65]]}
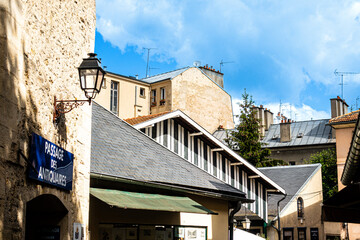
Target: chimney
{"points": [[338, 107], [269, 118], [285, 131], [262, 120], [216, 76]]}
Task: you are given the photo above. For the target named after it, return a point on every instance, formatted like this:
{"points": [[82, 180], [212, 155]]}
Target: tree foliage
{"points": [[327, 158], [245, 139]]}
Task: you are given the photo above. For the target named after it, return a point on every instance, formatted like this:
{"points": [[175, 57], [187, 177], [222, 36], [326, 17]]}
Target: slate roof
{"points": [[137, 120], [119, 150], [221, 134], [291, 178], [346, 118], [313, 132], [164, 76]]}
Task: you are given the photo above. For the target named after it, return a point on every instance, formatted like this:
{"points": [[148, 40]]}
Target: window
{"points": [[114, 97], [162, 96], [153, 98], [302, 233], [288, 234], [142, 92], [300, 207], [292, 163]]}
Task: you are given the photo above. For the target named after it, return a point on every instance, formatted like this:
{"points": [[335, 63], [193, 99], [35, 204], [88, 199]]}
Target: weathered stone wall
{"points": [[41, 44], [158, 108], [202, 99]]}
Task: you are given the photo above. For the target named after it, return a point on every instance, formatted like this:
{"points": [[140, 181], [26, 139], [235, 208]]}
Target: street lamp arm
{"points": [[65, 106]]}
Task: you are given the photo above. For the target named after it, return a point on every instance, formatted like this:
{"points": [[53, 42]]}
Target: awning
{"points": [[344, 206], [147, 201]]}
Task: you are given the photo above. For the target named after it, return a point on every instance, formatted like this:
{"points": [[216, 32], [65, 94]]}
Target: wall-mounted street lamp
{"points": [[246, 223], [91, 76]]}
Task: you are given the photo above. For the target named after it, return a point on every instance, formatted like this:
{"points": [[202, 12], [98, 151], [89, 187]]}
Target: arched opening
{"points": [[45, 216], [300, 207]]}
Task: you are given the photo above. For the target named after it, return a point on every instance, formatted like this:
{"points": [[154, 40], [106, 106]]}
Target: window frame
{"points": [[162, 96], [300, 207], [142, 90], [153, 97], [114, 97]]}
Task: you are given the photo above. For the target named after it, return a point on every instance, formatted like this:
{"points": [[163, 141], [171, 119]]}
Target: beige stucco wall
{"points": [[344, 135], [217, 224], [202, 99], [312, 196], [343, 141], [127, 96], [42, 43]]}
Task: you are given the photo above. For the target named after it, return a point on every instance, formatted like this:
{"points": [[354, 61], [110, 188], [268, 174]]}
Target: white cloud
{"points": [[302, 41], [297, 113]]}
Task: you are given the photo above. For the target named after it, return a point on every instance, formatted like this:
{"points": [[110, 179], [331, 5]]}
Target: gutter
{"points": [[172, 188], [236, 208], [278, 229]]}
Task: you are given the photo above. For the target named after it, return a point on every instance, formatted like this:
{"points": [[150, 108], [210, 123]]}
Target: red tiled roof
{"points": [[349, 117], [137, 120]]}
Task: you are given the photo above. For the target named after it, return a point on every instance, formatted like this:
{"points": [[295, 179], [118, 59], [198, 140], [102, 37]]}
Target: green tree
{"points": [[245, 139], [327, 158]]}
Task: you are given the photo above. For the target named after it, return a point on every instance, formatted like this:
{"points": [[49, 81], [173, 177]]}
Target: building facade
{"points": [[182, 135], [126, 97], [300, 210], [344, 126], [190, 89], [42, 43], [142, 190]]}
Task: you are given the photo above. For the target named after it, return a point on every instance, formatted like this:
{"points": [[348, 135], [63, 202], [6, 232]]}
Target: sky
{"points": [[279, 51]]}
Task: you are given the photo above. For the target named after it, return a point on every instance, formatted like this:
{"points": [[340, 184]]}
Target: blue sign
{"points": [[50, 163]]}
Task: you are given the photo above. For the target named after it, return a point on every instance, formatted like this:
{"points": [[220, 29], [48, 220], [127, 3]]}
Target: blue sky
{"points": [[280, 50]]}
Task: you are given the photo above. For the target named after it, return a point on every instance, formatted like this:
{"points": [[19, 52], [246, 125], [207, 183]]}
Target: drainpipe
{"points": [[231, 219], [278, 229]]}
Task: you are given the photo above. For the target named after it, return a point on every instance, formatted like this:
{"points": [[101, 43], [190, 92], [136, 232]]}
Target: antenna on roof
{"points": [[341, 74], [222, 63], [147, 63], [152, 68]]}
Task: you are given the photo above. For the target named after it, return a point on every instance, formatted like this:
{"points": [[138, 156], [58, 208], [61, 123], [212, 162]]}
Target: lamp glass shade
{"points": [[91, 76], [246, 223]]}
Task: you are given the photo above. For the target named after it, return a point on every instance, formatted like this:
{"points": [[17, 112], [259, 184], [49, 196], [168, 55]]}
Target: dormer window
{"points": [[300, 135], [274, 137]]}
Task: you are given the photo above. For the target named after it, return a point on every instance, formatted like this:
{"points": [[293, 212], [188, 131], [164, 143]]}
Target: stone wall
{"points": [[42, 43], [202, 100]]}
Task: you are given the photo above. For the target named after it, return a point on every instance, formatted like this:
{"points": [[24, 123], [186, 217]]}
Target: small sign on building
{"points": [[50, 163]]}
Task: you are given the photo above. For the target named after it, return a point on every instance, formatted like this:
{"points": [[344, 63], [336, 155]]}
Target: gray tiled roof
{"points": [[119, 150], [313, 131], [164, 76], [291, 178], [221, 134]]}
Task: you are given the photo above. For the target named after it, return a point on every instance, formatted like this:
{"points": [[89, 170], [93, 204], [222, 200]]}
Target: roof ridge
{"points": [[165, 72], [344, 115], [291, 166]]}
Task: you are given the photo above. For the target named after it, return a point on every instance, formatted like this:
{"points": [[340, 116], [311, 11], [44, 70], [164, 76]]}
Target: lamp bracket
{"points": [[65, 106]]}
